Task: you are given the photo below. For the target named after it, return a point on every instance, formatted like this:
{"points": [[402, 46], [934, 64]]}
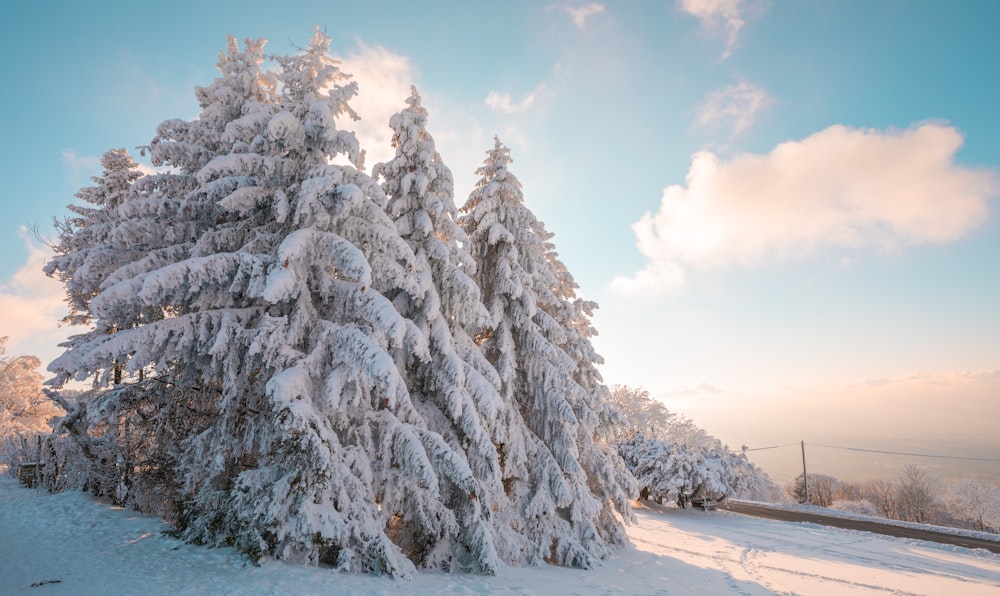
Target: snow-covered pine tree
{"points": [[561, 503], [455, 390], [85, 254], [140, 424], [609, 478]]}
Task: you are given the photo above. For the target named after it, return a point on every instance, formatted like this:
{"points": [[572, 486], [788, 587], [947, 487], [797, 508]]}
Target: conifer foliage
{"points": [[85, 249], [453, 387], [561, 477], [284, 349]]}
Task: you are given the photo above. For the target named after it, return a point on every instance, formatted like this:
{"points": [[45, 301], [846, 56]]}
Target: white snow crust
{"points": [[83, 546]]}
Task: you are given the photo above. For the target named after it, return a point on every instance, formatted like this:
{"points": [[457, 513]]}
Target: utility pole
{"points": [[805, 477]]}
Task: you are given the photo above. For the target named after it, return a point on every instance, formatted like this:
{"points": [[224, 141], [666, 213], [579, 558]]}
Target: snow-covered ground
{"points": [[69, 544]]}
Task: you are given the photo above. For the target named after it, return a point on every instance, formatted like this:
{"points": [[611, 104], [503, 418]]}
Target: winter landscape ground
{"points": [[68, 543]]}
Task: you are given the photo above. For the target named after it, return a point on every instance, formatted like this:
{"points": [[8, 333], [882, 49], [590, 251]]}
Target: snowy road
{"points": [[79, 546], [885, 527]]}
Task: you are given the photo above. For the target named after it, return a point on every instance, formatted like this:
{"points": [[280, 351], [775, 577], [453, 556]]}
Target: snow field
{"points": [[93, 548]]}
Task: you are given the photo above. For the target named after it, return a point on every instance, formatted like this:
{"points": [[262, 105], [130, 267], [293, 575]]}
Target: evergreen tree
{"points": [[605, 469], [132, 431], [455, 388], [85, 254], [561, 503]]}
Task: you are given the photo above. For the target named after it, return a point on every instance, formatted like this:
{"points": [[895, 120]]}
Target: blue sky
{"points": [[786, 210]]}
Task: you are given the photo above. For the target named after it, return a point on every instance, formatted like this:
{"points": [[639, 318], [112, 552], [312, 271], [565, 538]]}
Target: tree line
{"points": [[915, 495]]}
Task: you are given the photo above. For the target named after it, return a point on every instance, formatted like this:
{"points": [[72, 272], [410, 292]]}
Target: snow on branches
{"points": [[310, 363], [562, 482], [674, 461]]}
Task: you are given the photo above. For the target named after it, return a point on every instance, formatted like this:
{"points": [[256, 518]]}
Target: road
{"points": [[864, 526]]}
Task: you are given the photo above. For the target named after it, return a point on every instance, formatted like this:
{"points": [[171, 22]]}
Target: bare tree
{"points": [[881, 494], [915, 494], [975, 500], [850, 491]]}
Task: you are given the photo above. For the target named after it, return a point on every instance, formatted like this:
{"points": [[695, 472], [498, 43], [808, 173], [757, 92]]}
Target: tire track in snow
{"points": [[793, 558], [850, 553]]}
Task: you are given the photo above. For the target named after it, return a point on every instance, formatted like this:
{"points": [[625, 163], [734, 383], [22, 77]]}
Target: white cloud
{"points": [[384, 81], [579, 15], [503, 102], [839, 188], [80, 167], [31, 305], [734, 107], [716, 14]]}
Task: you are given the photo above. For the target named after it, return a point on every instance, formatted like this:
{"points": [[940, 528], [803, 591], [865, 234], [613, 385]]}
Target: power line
{"points": [[932, 455], [771, 447], [986, 459]]}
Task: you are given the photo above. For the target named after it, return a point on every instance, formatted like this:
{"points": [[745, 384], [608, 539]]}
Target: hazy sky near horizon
{"points": [[788, 211]]}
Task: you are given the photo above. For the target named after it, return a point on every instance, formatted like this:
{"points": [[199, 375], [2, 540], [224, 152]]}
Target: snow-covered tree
{"points": [[562, 503], [131, 429], [455, 389], [668, 471], [23, 407], [975, 500], [285, 355], [649, 417], [86, 253], [674, 460], [599, 418], [643, 415]]}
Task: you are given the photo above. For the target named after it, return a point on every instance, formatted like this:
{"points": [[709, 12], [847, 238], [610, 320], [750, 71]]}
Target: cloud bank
{"points": [[845, 188]]}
